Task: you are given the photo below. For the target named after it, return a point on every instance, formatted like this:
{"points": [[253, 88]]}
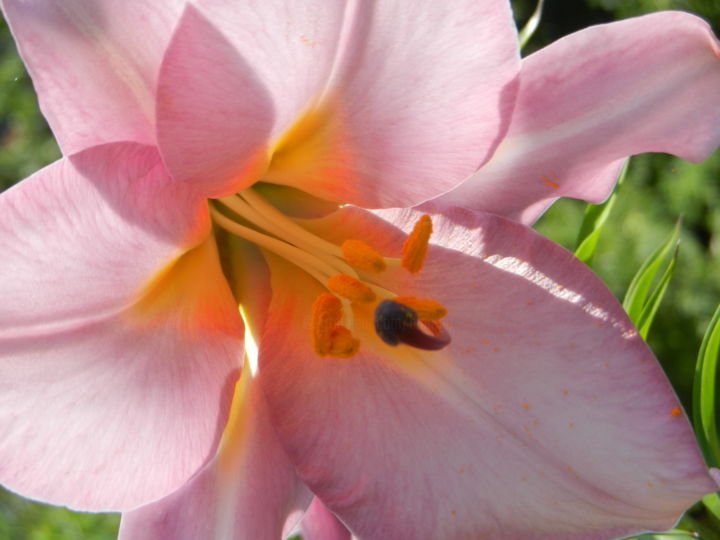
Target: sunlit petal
{"points": [[591, 99], [110, 399], [94, 64], [547, 405]]}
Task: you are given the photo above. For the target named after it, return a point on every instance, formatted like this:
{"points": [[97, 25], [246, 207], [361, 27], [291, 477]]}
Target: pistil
{"points": [[398, 319], [396, 323]]}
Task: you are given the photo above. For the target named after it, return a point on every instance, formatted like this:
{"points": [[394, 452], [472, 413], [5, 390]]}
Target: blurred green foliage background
{"points": [[659, 189]]}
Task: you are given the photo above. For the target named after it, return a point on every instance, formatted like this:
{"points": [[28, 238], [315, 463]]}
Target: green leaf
{"points": [[594, 220], [669, 535], [705, 400], [642, 300], [700, 520], [533, 22], [712, 502], [651, 306]]}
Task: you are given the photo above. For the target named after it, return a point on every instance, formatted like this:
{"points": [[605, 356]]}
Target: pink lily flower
{"points": [[479, 382]]}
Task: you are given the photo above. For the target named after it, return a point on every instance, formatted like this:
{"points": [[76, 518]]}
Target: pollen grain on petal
{"points": [[416, 246], [363, 257], [549, 181], [350, 288], [427, 310]]}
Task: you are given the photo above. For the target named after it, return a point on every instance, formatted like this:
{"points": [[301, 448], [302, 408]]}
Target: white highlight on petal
{"points": [[522, 268], [251, 343]]}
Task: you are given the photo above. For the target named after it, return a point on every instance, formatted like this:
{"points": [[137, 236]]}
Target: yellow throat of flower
{"points": [[348, 272], [312, 150]]}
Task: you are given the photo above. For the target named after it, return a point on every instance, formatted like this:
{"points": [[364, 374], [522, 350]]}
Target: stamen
{"points": [[326, 313], [274, 215], [348, 315], [427, 310], [330, 338], [350, 288], [259, 213], [343, 344], [317, 268], [362, 256], [415, 247], [396, 323], [398, 319]]}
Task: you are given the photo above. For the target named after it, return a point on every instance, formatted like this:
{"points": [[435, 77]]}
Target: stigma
{"points": [[397, 323], [350, 273]]}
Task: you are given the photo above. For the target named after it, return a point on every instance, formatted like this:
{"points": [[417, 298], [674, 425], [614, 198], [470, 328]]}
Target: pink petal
{"points": [[349, 101], [715, 474], [250, 490], [319, 523], [109, 398], [547, 417], [215, 112], [94, 64], [593, 98], [422, 95]]}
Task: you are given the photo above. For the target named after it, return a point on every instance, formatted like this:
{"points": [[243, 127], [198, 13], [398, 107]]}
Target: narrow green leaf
{"points": [[712, 502], [533, 22], [651, 306], [705, 396], [594, 220], [641, 300], [700, 521]]}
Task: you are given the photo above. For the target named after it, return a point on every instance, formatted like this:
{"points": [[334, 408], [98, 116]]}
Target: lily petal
{"points": [[213, 136], [593, 98], [319, 523], [263, 72], [250, 490], [419, 98], [91, 249], [94, 65], [547, 417], [364, 102]]}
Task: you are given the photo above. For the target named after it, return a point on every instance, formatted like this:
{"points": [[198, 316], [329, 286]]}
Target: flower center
{"points": [[349, 273]]}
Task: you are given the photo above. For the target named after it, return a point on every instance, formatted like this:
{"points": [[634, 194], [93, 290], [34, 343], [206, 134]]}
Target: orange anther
{"points": [[427, 310], [330, 338], [350, 288], [344, 345], [362, 256], [415, 248], [326, 313]]}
